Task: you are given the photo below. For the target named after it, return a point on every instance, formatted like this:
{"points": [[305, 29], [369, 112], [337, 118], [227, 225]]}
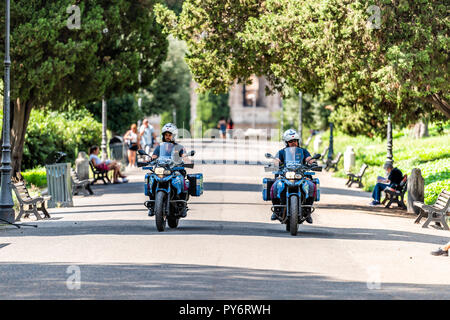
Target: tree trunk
{"points": [[20, 114], [439, 103], [416, 190]]}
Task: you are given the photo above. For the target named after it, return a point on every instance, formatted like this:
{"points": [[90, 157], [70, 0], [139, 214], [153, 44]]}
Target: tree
{"points": [[397, 65], [54, 65], [121, 113], [211, 107], [170, 90]]}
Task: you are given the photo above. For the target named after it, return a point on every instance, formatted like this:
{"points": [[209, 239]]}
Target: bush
{"points": [[36, 177], [69, 132]]}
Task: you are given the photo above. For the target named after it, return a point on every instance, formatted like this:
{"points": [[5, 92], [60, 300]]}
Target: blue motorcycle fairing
{"points": [[280, 185], [175, 180]]}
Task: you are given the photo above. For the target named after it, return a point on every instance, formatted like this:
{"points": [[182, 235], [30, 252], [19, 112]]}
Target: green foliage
{"points": [[121, 113], [171, 89], [55, 66], [69, 132], [36, 177], [314, 114], [211, 107], [431, 155], [324, 47]]}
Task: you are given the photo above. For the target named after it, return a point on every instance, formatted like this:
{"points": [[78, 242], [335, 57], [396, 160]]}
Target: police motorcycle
{"points": [[292, 188], [166, 186]]}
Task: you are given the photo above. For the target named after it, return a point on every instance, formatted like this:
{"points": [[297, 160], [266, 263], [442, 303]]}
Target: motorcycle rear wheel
{"points": [[172, 222], [160, 216]]}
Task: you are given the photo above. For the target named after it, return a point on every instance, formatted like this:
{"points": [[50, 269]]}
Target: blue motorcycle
{"points": [[168, 186], [292, 189]]}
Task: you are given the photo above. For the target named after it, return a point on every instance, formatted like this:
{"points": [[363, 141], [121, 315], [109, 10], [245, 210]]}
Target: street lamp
{"points": [[330, 148], [6, 201], [104, 150], [389, 157], [300, 123]]}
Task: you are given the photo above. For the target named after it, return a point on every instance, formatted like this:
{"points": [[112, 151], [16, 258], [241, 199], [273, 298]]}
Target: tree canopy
{"points": [[379, 56], [55, 65]]}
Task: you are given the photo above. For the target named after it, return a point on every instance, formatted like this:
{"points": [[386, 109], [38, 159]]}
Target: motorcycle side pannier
{"points": [[267, 185], [195, 184]]}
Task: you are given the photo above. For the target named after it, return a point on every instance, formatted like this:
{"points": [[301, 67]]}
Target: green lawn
{"points": [[431, 155]]}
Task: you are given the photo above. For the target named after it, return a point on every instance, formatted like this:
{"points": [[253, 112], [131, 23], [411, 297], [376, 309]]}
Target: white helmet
{"points": [[169, 127], [289, 135]]}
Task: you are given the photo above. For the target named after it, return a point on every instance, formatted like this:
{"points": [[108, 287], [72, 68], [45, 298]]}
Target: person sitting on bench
{"points": [[442, 251], [393, 180], [106, 165]]}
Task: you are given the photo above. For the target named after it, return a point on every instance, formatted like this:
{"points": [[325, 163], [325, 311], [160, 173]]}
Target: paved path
{"points": [[227, 248]]}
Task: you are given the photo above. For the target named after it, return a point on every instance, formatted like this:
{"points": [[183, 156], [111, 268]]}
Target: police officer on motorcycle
{"points": [[291, 139], [169, 133]]}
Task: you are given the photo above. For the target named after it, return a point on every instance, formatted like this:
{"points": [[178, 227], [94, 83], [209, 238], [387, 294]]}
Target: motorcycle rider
{"points": [[291, 139], [169, 133]]}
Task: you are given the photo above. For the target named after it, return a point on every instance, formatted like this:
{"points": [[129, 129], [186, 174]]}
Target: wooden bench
{"points": [[333, 164], [356, 178], [77, 184], [436, 212], [24, 198], [396, 195], [99, 174]]}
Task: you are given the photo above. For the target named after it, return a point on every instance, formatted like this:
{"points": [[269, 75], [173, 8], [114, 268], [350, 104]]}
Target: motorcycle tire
{"points": [[293, 218], [160, 216], [172, 222]]}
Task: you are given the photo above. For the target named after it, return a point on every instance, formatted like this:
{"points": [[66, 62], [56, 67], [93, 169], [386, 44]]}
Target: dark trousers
{"points": [[376, 194]]}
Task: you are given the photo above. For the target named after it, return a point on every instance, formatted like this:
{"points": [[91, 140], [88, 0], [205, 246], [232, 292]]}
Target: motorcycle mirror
{"points": [[268, 156], [192, 153], [141, 164], [142, 152], [316, 156]]}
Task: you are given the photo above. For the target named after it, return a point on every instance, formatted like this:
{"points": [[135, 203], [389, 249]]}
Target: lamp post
{"points": [[6, 201], [300, 120], [104, 150], [330, 150], [389, 157], [282, 117]]}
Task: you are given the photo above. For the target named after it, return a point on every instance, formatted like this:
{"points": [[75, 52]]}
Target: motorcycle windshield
{"points": [[294, 156], [169, 152]]}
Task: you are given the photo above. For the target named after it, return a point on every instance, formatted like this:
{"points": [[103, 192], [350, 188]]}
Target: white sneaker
{"points": [[124, 180]]}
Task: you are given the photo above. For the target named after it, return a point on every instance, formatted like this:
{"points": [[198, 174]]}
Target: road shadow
{"points": [[229, 186], [345, 192], [394, 210], [191, 226], [165, 281]]}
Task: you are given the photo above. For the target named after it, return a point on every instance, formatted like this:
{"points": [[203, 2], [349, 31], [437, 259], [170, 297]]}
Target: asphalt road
{"points": [[106, 247]]}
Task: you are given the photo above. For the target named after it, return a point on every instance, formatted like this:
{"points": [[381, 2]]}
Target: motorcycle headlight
{"points": [[167, 172], [290, 175], [159, 171]]}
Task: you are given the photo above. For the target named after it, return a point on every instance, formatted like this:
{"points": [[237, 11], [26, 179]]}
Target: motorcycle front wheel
{"points": [[293, 218], [160, 206]]}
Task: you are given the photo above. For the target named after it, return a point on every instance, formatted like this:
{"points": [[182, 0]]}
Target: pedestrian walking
{"points": [[222, 126], [147, 136], [230, 127], [442, 251], [132, 139]]}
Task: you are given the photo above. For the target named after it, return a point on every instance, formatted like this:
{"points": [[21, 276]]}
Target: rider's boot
{"points": [[308, 210], [151, 211], [183, 213]]}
